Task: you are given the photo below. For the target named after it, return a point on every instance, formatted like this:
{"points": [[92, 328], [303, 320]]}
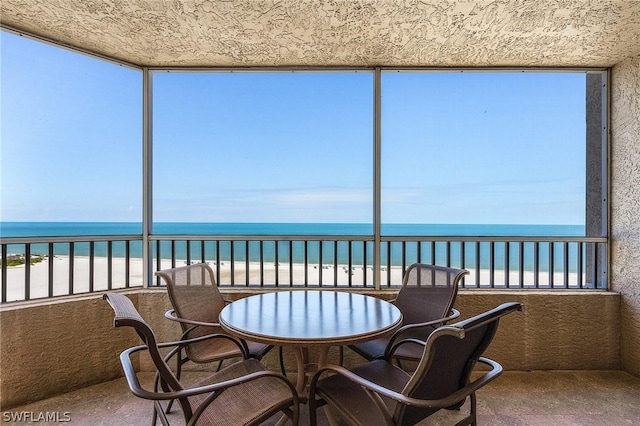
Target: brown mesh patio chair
{"points": [[381, 393], [197, 303], [243, 393], [426, 301]]}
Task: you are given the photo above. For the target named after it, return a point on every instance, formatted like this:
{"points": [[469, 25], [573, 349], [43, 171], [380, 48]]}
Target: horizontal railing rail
{"points": [[60, 266]]}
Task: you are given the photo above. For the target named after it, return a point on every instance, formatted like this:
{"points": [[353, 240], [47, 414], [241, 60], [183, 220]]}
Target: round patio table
{"points": [[301, 319]]}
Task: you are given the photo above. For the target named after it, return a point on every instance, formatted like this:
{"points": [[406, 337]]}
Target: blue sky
{"points": [[472, 147]]}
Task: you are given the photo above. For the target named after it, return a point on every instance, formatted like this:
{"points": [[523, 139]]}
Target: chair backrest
{"points": [[126, 315], [449, 357], [428, 292], [194, 294]]}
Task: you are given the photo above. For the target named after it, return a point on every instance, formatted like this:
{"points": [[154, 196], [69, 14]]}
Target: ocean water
{"points": [[313, 252], [49, 229]]}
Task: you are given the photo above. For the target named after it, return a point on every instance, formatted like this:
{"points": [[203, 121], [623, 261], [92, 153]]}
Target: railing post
{"points": [[377, 182], [147, 177], [4, 273]]}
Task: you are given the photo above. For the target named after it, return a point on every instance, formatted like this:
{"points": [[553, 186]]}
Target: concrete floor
{"points": [[516, 398]]}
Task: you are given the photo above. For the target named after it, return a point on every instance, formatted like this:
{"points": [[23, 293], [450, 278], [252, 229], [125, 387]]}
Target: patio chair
{"points": [[426, 301], [381, 393], [243, 393], [197, 303]]}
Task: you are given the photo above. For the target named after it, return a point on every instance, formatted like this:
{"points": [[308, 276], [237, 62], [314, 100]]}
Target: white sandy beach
{"points": [[39, 274]]}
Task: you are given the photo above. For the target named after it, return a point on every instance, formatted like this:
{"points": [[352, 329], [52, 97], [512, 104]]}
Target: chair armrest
{"points": [[184, 342], [454, 313], [179, 345], [374, 390], [171, 314], [459, 395], [138, 390], [390, 349], [357, 379]]}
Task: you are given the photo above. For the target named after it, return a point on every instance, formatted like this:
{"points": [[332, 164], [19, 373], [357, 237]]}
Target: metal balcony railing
{"points": [[60, 266], [39, 267]]}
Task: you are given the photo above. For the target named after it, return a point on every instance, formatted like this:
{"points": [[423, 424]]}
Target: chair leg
{"points": [[158, 412], [470, 419], [154, 418], [295, 420], [180, 361], [313, 416], [473, 408], [283, 370]]}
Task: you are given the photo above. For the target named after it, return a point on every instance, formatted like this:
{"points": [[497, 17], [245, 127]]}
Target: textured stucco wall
{"points": [[48, 349], [625, 205], [556, 331], [52, 348]]}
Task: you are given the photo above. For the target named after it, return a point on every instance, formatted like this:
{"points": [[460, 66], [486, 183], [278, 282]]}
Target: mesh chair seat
{"points": [[354, 400], [211, 350], [241, 405], [375, 349]]}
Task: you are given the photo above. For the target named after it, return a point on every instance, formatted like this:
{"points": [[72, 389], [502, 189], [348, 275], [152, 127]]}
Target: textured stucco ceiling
{"points": [[545, 33]]}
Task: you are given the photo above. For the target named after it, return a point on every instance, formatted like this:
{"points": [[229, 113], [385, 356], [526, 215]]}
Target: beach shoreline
{"points": [[340, 276]]}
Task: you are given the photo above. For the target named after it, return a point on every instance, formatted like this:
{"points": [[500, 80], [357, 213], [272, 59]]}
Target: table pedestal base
{"points": [[307, 369]]}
